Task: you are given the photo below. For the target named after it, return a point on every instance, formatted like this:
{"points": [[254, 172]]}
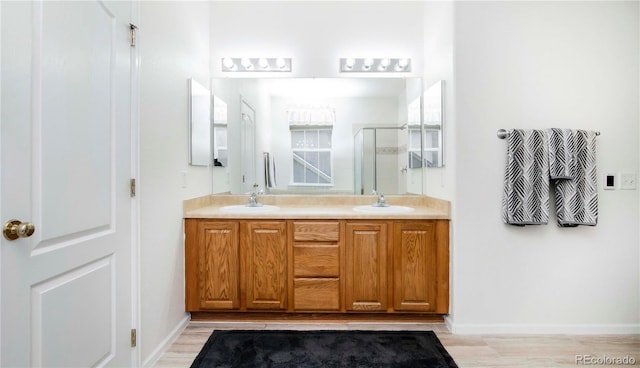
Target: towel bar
{"points": [[502, 133]]}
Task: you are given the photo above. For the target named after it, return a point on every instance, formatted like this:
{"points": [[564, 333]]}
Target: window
{"points": [[311, 128], [433, 150], [414, 149], [311, 152]]}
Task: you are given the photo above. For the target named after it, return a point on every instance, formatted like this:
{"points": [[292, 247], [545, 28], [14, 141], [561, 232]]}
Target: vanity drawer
{"points": [[316, 231], [316, 260], [316, 294]]}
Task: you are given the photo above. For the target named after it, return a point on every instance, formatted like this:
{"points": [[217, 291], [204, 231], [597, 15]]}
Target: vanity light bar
{"points": [[376, 65], [256, 64]]}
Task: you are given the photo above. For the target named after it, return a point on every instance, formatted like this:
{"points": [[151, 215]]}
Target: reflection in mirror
{"points": [[199, 125], [433, 125], [220, 149], [378, 152], [248, 146], [414, 145], [306, 126]]}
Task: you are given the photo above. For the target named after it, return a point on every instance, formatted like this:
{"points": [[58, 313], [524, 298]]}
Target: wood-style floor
{"points": [[544, 351]]}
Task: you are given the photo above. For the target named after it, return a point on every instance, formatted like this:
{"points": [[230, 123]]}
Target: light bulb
{"points": [[263, 63], [281, 63], [402, 64], [349, 63], [228, 63], [367, 64], [246, 63], [384, 63]]}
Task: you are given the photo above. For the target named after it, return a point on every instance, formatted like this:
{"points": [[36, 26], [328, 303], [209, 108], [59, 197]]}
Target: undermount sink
{"points": [[387, 209], [240, 208]]}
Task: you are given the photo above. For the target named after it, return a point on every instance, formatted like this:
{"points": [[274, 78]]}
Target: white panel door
{"points": [[66, 163]]}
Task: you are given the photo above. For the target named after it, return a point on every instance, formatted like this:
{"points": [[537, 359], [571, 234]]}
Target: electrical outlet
{"points": [[628, 181]]}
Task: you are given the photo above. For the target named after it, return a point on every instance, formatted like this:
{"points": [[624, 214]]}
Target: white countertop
{"points": [[316, 207]]}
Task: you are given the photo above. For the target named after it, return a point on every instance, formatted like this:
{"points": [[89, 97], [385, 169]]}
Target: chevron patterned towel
{"points": [[577, 199], [561, 151], [526, 183]]}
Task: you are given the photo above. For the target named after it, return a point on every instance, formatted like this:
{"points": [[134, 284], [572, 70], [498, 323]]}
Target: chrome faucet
{"points": [[253, 197], [382, 202], [253, 201]]}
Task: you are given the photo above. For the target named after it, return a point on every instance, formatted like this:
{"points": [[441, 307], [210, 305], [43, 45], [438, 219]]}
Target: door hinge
{"points": [[132, 187], [134, 338], [132, 34]]}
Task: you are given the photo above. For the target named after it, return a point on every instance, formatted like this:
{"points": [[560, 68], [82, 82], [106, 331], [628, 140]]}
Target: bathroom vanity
{"points": [[332, 257]]}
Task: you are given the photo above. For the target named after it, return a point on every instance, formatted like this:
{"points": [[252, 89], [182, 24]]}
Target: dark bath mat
{"points": [[323, 349]]}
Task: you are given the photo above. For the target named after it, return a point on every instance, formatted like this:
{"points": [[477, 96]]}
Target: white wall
{"points": [[174, 46], [316, 34], [539, 65]]}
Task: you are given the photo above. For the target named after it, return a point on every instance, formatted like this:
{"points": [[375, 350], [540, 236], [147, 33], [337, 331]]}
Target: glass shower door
{"points": [[365, 161]]}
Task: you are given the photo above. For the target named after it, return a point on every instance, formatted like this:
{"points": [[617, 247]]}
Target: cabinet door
{"points": [[265, 249], [218, 265], [414, 257], [366, 266]]}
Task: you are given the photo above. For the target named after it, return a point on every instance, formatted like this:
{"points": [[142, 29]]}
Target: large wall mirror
{"points": [[321, 135]]}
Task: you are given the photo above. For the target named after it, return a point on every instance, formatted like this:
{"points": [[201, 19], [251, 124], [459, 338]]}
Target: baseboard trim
{"points": [[311, 317], [166, 343], [449, 323], [541, 329]]}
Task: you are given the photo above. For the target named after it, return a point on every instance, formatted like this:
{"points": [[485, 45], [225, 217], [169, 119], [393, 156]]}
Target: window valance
{"points": [[307, 116]]}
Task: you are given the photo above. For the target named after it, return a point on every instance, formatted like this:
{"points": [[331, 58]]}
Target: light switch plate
{"points": [[609, 181], [183, 179], [628, 181]]}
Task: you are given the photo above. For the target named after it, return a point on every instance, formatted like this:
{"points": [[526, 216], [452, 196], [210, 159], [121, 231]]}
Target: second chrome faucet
{"points": [[382, 202], [253, 197]]}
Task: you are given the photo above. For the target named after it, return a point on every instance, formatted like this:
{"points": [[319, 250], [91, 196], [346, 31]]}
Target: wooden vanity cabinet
{"points": [[235, 265], [212, 258], [408, 269], [316, 265], [421, 266], [366, 266], [264, 246], [309, 266]]}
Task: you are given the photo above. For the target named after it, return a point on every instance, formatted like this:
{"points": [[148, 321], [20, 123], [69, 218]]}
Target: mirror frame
{"points": [[200, 131], [433, 121]]}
